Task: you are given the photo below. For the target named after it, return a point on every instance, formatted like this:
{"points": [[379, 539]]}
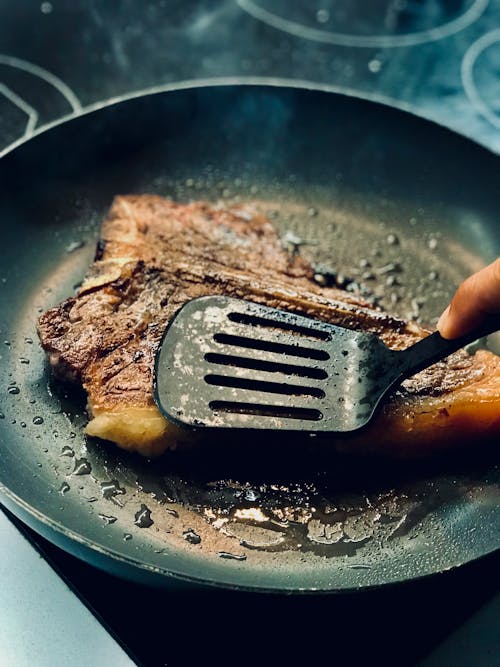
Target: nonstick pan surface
{"points": [[367, 192]]}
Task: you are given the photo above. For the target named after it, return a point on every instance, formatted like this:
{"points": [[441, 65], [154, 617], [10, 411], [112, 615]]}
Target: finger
{"points": [[475, 299]]}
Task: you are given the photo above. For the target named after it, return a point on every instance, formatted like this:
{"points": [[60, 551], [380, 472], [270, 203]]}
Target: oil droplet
{"points": [[75, 245], [230, 556], [108, 520], [2, 416], [65, 451], [251, 495], [29, 341], [64, 488], [172, 512], [111, 489], [37, 421], [22, 424], [190, 536], [391, 280], [143, 517], [82, 467], [14, 390], [127, 537], [322, 16], [23, 360]]}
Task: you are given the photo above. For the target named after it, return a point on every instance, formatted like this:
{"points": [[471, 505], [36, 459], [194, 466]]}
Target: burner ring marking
{"points": [[467, 74], [378, 41]]}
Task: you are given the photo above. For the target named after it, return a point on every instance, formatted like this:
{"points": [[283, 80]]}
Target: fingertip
{"points": [[443, 323]]}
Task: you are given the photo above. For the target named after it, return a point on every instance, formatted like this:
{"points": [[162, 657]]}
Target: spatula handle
{"points": [[434, 347]]}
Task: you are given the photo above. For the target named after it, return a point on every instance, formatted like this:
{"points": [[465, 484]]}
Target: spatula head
{"points": [[229, 363]]}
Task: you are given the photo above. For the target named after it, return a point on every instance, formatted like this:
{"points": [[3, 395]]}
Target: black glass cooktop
{"points": [[440, 58]]}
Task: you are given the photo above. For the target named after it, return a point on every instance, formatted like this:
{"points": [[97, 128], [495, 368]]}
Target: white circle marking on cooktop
{"points": [[20, 103], [468, 77], [44, 74], [343, 39]]}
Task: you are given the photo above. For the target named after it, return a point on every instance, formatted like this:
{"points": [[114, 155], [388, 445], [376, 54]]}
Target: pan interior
{"points": [[385, 204]]}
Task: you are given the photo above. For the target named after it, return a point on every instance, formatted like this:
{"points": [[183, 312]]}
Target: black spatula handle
{"points": [[434, 347]]}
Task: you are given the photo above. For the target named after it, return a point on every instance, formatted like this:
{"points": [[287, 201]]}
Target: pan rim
{"points": [[218, 585], [244, 81], [163, 571]]}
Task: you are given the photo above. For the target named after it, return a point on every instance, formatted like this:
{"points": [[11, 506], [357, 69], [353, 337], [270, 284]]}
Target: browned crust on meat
{"points": [[153, 256]]}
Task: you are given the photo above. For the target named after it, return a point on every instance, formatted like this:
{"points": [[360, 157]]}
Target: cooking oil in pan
{"points": [[335, 513]]}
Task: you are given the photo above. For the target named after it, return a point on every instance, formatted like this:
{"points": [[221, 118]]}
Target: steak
{"points": [[155, 254]]}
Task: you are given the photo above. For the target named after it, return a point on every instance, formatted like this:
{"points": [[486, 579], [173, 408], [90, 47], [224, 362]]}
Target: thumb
{"points": [[475, 300]]}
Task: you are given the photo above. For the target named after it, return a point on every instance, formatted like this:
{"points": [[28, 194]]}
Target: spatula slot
{"points": [[270, 346], [282, 412], [261, 385], [289, 327], [268, 366]]}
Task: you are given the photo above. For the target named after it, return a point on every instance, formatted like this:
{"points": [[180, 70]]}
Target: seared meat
{"points": [[155, 254]]}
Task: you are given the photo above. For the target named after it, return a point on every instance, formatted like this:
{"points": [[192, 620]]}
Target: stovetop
{"points": [[437, 58]]}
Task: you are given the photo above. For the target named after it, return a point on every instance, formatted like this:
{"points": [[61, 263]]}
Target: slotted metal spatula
{"points": [[229, 363]]}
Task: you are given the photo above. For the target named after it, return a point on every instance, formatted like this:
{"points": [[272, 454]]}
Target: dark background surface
{"points": [[441, 59], [391, 626]]}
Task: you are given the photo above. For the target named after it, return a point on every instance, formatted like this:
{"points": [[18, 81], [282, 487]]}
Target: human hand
{"points": [[475, 300]]}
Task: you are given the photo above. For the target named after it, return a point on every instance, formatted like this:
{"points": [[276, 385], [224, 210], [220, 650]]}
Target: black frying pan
{"points": [[368, 187]]}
